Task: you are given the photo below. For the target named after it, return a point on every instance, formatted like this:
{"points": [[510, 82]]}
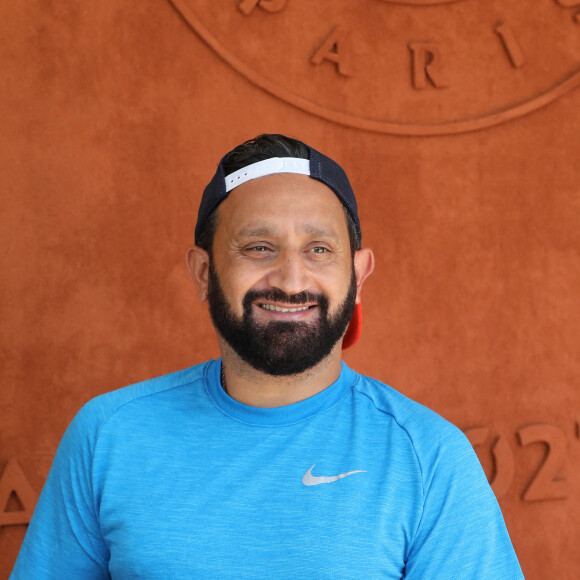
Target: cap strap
{"points": [[267, 167]]}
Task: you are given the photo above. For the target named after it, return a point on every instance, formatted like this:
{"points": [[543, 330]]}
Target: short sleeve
{"points": [[461, 534], [64, 539]]}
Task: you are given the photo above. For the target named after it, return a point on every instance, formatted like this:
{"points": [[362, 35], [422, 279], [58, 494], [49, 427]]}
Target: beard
{"points": [[279, 348]]}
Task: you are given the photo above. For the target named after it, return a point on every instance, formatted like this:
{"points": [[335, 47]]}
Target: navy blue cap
{"points": [[321, 168]]}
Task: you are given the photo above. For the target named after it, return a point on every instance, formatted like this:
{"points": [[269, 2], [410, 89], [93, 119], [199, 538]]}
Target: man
{"points": [[276, 461]]}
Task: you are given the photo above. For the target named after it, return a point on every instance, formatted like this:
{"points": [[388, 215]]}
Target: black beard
{"points": [[279, 348]]}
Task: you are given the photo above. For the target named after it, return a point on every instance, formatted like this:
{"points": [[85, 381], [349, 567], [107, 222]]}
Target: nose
{"points": [[289, 273]]}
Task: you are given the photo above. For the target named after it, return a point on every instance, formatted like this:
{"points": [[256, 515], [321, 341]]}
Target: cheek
{"points": [[336, 288], [242, 277], [235, 285]]}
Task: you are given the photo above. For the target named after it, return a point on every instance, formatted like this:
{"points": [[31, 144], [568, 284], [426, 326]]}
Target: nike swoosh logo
{"points": [[310, 479]]}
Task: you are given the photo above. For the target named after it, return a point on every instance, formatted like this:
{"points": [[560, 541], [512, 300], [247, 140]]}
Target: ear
{"points": [[198, 266], [364, 264]]}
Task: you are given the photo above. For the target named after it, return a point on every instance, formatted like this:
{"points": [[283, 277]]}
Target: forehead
{"points": [[281, 202]]}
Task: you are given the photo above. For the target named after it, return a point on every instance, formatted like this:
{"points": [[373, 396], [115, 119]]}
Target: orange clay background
{"points": [[113, 116]]}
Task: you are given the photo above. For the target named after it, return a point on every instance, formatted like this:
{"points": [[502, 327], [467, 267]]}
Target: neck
{"points": [[258, 389]]}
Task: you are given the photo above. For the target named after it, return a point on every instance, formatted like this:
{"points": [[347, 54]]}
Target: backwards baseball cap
{"points": [[318, 166]]}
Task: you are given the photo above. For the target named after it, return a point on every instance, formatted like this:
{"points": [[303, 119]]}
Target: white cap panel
{"points": [[267, 167]]}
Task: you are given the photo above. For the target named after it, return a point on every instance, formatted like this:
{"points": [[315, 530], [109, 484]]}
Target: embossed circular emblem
{"points": [[406, 67]]}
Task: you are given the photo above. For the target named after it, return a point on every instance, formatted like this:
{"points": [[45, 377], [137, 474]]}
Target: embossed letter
{"points": [[545, 485], [14, 481], [426, 65], [568, 3], [503, 459], [335, 49], [247, 6], [511, 45]]}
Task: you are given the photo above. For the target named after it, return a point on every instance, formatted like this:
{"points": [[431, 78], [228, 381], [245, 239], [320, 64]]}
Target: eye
{"points": [[319, 250], [258, 251]]}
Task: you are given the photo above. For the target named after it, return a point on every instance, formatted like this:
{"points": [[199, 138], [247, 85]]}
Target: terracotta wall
{"points": [[458, 123]]}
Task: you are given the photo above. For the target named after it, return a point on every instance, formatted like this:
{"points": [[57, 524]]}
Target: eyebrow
{"points": [[255, 232], [319, 232], [309, 229]]}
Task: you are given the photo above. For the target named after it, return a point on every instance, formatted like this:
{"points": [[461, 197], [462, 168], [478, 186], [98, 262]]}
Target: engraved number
{"points": [[503, 459], [545, 484]]}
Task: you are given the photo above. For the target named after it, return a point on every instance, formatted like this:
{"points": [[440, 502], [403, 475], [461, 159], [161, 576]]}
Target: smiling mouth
{"points": [[283, 309]]}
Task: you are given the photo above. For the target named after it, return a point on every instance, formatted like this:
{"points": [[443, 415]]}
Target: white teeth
{"points": [[279, 309]]}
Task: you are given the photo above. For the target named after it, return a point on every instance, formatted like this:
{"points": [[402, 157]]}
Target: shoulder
{"points": [[460, 532], [413, 417], [98, 411], [435, 440]]}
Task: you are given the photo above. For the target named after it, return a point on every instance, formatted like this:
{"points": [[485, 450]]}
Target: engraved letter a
{"points": [[13, 481]]}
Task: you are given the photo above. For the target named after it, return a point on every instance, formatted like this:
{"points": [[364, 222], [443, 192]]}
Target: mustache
{"points": [[277, 295]]}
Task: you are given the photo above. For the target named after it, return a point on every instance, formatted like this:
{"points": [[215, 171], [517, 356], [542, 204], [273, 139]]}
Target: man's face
{"points": [[282, 286]]}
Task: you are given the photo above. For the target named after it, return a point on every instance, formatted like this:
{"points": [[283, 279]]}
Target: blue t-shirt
{"points": [[172, 479]]}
